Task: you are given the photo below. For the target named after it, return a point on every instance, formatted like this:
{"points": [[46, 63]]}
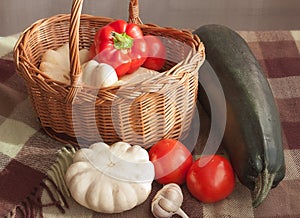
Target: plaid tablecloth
{"points": [[29, 171]]}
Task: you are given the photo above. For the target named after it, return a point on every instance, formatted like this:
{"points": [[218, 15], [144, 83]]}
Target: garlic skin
{"points": [[168, 201], [98, 74]]}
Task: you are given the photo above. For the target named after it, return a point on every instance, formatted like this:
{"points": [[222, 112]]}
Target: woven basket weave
{"points": [[139, 113]]}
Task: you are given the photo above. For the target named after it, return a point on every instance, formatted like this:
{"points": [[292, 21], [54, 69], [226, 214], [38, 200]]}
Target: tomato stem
{"points": [[122, 40]]}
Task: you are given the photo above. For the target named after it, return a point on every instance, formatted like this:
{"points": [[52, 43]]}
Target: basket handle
{"points": [[75, 68], [134, 12]]}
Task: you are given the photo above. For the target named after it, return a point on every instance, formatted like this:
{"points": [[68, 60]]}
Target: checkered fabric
{"points": [[31, 181]]}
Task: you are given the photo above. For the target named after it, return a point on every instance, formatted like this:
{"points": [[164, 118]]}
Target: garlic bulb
{"points": [[98, 74], [167, 202]]}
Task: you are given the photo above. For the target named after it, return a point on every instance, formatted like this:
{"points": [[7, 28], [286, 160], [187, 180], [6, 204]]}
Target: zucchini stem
{"points": [[262, 187]]}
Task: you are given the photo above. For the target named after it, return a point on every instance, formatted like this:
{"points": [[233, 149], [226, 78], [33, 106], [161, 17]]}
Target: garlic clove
{"points": [[159, 212], [168, 205], [173, 194]]}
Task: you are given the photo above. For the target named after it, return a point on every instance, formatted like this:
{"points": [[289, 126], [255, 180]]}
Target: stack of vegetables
{"points": [[118, 177], [119, 49]]}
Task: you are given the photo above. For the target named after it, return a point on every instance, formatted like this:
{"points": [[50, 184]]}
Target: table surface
{"points": [[27, 153]]}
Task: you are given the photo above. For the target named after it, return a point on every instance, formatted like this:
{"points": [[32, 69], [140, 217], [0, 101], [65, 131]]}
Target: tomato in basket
{"points": [[121, 45], [156, 53]]}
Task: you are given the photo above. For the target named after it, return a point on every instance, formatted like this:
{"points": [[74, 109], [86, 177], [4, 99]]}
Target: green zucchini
{"points": [[252, 137]]}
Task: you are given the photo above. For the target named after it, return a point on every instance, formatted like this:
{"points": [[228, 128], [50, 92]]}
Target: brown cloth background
{"points": [[26, 153]]}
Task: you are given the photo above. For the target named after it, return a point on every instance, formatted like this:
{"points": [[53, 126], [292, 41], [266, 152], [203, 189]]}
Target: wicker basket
{"points": [[141, 113]]}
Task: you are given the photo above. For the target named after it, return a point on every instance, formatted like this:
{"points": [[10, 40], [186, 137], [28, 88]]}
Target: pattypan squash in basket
{"points": [[56, 63]]}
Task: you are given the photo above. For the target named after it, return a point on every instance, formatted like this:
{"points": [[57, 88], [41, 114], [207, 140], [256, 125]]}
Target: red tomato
{"points": [[156, 53], [210, 178], [171, 160]]}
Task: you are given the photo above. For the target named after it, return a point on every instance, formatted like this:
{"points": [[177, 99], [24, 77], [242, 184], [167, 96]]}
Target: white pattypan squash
{"points": [[98, 74], [56, 63], [110, 179]]}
